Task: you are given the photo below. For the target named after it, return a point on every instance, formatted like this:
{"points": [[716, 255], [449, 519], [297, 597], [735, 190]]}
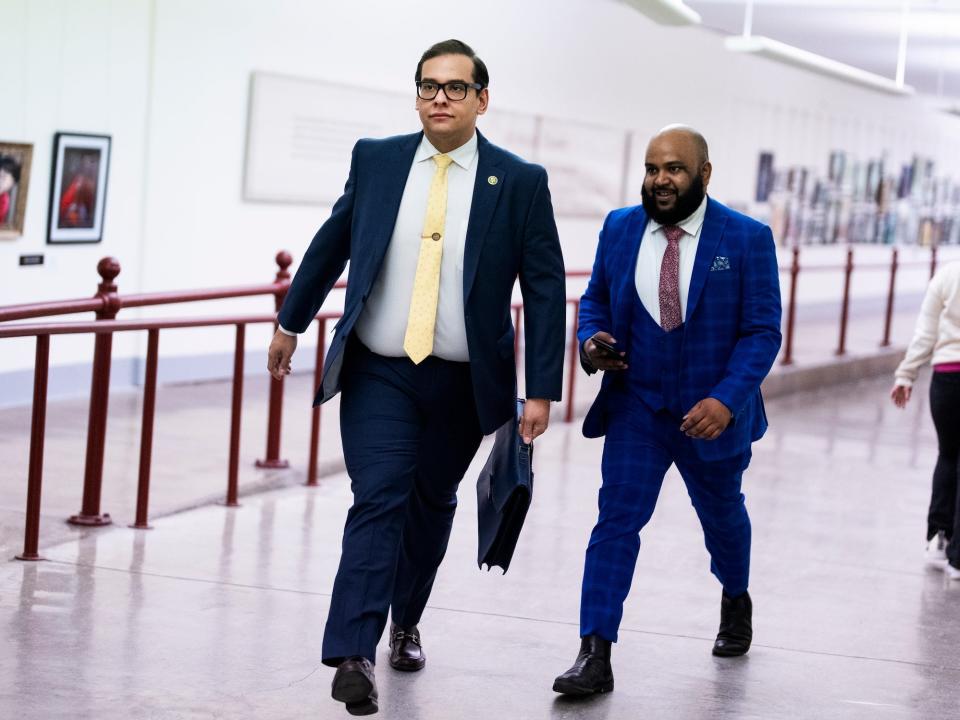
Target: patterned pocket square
{"points": [[720, 263]]}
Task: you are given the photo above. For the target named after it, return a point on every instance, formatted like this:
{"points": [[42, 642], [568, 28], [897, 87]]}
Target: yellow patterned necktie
{"points": [[422, 320]]}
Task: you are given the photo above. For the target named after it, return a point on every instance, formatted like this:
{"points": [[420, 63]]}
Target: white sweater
{"points": [[937, 335]]}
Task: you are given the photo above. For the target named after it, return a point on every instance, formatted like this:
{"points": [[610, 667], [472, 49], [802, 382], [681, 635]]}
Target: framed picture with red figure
{"points": [[14, 182], [78, 188]]}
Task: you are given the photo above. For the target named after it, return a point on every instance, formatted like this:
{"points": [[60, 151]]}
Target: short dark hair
{"points": [[11, 166], [456, 47]]}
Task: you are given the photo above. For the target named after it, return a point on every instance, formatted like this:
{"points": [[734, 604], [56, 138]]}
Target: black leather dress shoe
{"points": [[736, 626], [591, 673], [406, 652], [356, 686]]}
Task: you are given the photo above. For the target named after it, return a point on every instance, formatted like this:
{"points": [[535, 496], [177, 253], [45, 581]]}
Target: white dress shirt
{"points": [[383, 322], [650, 258]]}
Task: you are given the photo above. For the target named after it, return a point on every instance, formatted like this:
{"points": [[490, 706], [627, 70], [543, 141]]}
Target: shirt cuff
{"points": [[285, 331]]}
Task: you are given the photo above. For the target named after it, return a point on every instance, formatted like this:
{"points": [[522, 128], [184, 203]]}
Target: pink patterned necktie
{"points": [[670, 280]]}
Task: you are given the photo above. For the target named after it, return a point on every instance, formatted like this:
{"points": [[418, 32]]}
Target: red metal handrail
{"points": [[794, 270], [107, 302]]}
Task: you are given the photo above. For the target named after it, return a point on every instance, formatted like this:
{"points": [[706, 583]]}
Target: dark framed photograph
{"points": [[15, 161], [78, 188]]}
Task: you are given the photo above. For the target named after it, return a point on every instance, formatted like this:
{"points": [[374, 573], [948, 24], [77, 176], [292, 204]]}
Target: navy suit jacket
{"points": [[732, 326], [511, 233]]}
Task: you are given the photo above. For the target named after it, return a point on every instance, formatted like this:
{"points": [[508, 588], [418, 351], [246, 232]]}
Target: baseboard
{"points": [[788, 380]]}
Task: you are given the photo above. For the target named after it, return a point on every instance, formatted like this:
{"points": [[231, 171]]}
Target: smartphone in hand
{"points": [[609, 350]]}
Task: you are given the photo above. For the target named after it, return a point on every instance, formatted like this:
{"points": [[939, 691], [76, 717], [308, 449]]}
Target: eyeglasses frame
{"points": [[443, 86]]}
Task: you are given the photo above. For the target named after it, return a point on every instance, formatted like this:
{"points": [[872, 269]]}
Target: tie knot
{"points": [[443, 161], [673, 233]]}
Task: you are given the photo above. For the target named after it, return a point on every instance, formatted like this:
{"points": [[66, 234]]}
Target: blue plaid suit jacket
{"points": [[732, 325]]}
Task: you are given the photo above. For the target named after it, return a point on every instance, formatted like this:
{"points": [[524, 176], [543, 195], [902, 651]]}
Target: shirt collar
{"points": [[462, 156], [691, 224]]}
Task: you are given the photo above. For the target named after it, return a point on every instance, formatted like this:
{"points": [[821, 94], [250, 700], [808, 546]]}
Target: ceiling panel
{"points": [[862, 33]]}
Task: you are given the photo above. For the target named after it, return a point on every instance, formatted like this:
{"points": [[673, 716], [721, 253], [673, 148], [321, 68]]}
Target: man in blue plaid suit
{"points": [[682, 314]]}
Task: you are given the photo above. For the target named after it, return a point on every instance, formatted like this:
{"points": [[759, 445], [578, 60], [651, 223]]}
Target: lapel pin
{"points": [[492, 180]]}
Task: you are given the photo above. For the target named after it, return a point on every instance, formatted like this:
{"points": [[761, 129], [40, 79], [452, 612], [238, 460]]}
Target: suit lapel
{"points": [[486, 192], [388, 185], [631, 250], [713, 223]]}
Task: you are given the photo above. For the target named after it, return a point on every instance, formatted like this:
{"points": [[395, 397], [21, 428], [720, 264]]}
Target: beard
{"points": [[686, 203]]}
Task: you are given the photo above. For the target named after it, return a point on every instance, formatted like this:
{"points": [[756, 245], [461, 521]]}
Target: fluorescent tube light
{"points": [[790, 55], [666, 12]]}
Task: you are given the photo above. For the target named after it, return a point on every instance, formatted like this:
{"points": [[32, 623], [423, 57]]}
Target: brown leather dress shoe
{"points": [[591, 672], [406, 653], [736, 626], [356, 686]]}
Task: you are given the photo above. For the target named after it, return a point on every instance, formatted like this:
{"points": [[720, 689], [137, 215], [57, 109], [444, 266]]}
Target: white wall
{"points": [[73, 66], [168, 79]]}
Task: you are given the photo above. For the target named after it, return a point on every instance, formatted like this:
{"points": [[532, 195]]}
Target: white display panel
{"points": [[585, 164], [301, 132], [516, 132]]}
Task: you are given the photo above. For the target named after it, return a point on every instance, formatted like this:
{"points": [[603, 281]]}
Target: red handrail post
{"points": [[235, 411], [31, 535], [888, 321], [146, 430], [574, 360], [315, 411], [272, 460], [90, 514], [791, 307], [845, 309]]}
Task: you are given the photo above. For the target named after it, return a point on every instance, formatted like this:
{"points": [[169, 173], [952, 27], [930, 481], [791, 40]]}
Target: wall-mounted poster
{"points": [[301, 132], [14, 182], [764, 177], [78, 189]]}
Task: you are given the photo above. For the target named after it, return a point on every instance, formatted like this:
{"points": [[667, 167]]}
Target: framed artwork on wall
{"points": [[15, 161], [78, 188]]}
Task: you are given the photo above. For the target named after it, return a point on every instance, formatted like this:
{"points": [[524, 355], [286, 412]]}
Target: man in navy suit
{"points": [[437, 227], [686, 292]]}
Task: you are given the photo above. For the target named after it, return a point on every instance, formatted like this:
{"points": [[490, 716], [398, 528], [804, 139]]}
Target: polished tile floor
{"points": [[218, 613]]}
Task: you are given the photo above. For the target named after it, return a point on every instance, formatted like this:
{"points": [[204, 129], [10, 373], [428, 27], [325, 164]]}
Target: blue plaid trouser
{"points": [[639, 448]]}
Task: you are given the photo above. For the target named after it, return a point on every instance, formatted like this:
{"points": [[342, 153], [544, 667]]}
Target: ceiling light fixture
{"points": [[666, 12], [791, 55]]}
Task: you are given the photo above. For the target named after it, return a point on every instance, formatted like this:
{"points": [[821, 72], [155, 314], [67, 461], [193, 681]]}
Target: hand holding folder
{"points": [[504, 492]]}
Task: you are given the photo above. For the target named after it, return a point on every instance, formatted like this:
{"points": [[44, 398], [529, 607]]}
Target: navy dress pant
{"points": [[409, 433], [639, 448], [945, 499]]}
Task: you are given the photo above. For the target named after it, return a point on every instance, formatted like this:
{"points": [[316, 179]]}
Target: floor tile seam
{"points": [[253, 490], [524, 618], [700, 638]]}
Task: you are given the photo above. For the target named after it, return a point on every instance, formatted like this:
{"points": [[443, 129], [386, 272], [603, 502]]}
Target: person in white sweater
{"points": [[937, 339]]}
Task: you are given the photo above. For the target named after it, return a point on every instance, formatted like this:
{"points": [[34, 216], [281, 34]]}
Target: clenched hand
{"points": [[281, 351], [536, 417], [706, 420]]}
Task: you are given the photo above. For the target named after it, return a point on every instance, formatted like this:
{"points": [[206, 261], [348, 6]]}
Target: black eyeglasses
{"points": [[453, 90]]}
